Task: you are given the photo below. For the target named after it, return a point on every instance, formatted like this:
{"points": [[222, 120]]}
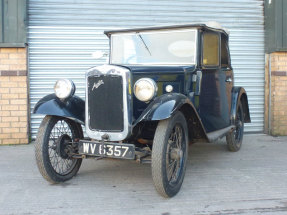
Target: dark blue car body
{"points": [[161, 91], [205, 94]]}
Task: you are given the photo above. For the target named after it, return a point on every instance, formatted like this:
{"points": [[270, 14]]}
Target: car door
{"points": [[228, 71], [213, 101]]}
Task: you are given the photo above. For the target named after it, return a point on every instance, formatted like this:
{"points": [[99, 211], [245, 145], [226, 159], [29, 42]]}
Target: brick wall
{"points": [[13, 96], [278, 112]]}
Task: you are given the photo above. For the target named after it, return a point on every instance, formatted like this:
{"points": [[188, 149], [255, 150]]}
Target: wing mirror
{"points": [[99, 54]]}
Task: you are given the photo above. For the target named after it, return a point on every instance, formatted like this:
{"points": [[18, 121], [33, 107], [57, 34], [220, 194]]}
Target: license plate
{"points": [[114, 150]]}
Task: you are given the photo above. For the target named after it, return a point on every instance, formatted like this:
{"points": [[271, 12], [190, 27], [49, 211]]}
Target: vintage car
{"points": [[164, 88]]}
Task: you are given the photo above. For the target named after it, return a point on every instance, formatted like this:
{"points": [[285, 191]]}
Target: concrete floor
{"points": [[251, 181]]}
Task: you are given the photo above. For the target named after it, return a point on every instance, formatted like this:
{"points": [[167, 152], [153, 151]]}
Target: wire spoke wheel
{"points": [[234, 139], [174, 155], [54, 148], [60, 137], [238, 123], [169, 155]]}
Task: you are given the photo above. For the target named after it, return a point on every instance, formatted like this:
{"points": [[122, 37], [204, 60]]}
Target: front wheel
{"points": [[234, 139], [53, 148], [169, 155]]}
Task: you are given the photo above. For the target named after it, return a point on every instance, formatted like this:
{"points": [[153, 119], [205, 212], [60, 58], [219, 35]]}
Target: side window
{"points": [[210, 49], [224, 52]]}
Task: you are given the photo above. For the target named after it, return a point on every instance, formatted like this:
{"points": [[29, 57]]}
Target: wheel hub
{"points": [[176, 154], [62, 143], [238, 124]]}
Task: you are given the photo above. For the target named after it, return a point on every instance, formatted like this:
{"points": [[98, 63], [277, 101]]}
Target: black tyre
{"points": [[169, 155], [53, 148], [234, 139]]}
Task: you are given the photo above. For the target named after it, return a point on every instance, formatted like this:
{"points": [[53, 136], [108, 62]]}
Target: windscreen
{"points": [[154, 47]]}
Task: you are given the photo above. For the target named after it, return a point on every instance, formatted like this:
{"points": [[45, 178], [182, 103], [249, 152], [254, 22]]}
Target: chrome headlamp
{"points": [[64, 88], [145, 89]]}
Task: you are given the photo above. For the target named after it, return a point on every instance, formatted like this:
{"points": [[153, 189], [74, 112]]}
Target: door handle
{"points": [[228, 79]]}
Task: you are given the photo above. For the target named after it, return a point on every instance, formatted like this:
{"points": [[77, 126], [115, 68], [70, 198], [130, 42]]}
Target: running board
{"points": [[212, 136]]}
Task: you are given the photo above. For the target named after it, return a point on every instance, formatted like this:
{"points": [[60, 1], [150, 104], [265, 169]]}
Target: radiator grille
{"points": [[105, 103]]}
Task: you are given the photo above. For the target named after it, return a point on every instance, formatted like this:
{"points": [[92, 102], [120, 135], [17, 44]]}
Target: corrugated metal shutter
{"points": [[64, 33]]}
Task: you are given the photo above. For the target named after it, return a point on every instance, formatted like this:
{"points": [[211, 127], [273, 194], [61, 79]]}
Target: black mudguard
{"points": [[163, 107], [239, 95], [72, 108]]}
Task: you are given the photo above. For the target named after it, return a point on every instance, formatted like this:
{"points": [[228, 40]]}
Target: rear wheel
{"points": [[169, 155], [53, 148], [234, 139]]}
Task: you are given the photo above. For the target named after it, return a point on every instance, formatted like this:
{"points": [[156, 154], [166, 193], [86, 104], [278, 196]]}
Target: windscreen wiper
{"points": [[140, 36]]}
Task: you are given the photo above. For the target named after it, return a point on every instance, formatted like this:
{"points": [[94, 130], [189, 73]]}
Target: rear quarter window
{"points": [[210, 49]]}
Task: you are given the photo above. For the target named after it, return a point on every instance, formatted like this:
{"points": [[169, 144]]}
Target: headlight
{"points": [[64, 88], [145, 89]]}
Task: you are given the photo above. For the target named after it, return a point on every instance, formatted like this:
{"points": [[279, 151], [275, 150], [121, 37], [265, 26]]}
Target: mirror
{"points": [[99, 54]]}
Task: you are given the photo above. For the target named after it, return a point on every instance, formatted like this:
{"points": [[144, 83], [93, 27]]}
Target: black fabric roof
{"points": [[186, 26]]}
